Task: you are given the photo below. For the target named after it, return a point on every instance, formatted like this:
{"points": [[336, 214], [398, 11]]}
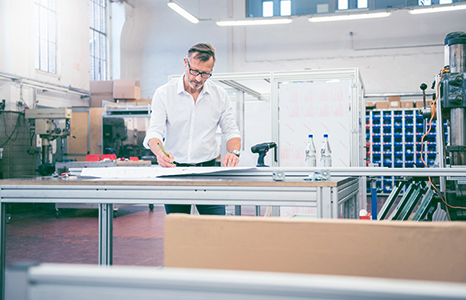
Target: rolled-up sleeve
{"points": [[158, 118], [227, 120]]}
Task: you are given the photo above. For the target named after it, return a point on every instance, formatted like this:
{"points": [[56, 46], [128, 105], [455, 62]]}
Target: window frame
{"points": [[254, 8], [45, 36], [98, 40]]}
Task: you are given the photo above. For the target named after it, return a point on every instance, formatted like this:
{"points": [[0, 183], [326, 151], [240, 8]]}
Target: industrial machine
{"points": [[48, 124], [123, 130], [448, 108], [452, 95]]}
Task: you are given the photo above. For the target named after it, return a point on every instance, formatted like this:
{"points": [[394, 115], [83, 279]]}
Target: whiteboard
{"points": [[314, 107]]}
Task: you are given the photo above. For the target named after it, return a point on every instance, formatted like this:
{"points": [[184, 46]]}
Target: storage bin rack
{"points": [[393, 139]]}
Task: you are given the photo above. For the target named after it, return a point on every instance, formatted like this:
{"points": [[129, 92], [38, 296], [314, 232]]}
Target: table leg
{"points": [[2, 250], [336, 214], [105, 234], [237, 210], [326, 201]]}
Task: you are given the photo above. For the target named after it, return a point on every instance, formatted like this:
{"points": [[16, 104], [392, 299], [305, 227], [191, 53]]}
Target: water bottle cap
{"points": [[310, 135], [326, 135]]}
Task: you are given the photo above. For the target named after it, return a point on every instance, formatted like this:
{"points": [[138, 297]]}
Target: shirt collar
{"points": [[180, 86]]}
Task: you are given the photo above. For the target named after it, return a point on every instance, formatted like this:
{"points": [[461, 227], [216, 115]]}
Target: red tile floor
{"points": [[36, 235]]}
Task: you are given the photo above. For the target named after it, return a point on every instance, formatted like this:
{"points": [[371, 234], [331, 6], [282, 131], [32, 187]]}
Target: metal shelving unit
{"points": [[394, 139]]}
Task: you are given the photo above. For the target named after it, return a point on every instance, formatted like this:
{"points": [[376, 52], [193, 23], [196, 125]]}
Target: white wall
{"points": [[17, 25], [17, 51], [395, 54]]}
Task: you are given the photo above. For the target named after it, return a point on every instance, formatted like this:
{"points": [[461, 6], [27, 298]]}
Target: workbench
{"points": [[332, 199]]}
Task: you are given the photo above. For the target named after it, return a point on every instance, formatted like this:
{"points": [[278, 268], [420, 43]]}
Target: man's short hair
{"points": [[204, 52]]}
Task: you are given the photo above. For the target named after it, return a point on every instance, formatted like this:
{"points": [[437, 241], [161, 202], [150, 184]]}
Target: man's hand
{"points": [[230, 160], [164, 160]]}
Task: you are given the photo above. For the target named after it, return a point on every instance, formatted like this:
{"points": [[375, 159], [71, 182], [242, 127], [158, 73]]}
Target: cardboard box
{"points": [[134, 101], [385, 249], [95, 130], [394, 102], [381, 105], [100, 91], [420, 104], [407, 104], [126, 89], [79, 127]]}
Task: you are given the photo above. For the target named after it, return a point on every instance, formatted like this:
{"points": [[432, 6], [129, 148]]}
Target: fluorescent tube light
{"points": [[259, 21], [435, 9], [183, 12], [349, 17]]}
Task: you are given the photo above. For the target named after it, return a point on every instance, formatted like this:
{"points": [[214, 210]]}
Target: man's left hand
{"points": [[230, 160]]}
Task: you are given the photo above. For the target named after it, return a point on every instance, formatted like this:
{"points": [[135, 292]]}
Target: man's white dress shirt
{"points": [[189, 128]]}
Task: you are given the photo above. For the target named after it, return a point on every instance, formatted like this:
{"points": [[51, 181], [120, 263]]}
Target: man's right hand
{"points": [[162, 159]]}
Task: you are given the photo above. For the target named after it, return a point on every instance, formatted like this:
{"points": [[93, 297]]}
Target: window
{"points": [[98, 39], [352, 4], [45, 36], [269, 8], [430, 2], [285, 8]]}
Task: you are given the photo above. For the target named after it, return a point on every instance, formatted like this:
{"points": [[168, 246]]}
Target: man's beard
{"points": [[192, 85]]}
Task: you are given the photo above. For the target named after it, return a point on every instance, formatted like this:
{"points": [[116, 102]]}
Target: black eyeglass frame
{"points": [[197, 73]]}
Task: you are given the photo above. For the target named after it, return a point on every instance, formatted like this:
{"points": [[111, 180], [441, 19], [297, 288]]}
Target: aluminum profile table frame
{"points": [[327, 197]]}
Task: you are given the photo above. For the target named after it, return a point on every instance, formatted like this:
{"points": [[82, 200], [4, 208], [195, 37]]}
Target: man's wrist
{"points": [[235, 152]]}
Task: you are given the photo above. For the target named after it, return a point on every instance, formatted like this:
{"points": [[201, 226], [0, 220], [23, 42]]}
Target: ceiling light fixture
{"points": [[183, 12], [258, 21], [349, 17], [434, 9]]}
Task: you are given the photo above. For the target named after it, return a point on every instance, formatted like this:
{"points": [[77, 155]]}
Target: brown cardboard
{"points": [[388, 249], [80, 130], [394, 102], [135, 101], [100, 91], [394, 98], [126, 89], [380, 105], [420, 104], [407, 104], [95, 131]]}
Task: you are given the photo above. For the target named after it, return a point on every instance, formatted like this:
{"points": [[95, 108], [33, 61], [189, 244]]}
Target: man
{"points": [[188, 111]]}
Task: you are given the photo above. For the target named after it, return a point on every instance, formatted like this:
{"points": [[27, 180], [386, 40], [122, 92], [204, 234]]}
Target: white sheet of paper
{"points": [[149, 172]]}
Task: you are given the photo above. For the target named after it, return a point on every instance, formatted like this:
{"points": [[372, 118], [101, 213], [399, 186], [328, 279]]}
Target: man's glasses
{"points": [[196, 73]]}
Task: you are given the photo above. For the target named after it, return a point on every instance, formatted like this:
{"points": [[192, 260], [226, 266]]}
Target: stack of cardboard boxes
{"points": [[124, 90], [395, 102]]}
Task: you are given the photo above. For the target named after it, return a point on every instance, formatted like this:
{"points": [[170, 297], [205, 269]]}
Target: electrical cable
{"points": [[14, 129], [433, 106]]}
